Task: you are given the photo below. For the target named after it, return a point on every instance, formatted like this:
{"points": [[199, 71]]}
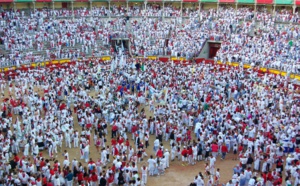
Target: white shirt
{"points": [[151, 162]]}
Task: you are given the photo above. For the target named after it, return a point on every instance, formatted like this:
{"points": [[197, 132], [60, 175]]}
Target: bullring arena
{"points": [[149, 92]]}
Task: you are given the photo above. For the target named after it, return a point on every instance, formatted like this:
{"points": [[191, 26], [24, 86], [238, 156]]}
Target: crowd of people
{"points": [[243, 34], [127, 119], [195, 113]]}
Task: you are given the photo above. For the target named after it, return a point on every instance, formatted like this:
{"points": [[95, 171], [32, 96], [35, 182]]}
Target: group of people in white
{"points": [[243, 33], [195, 112]]}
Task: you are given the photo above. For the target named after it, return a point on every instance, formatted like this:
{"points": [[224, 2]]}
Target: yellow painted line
{"points": [[55, 62], [152, 57], [106, 58], [235, 64], [263, 69], [64, 61], [247, 66], [283, 73]]}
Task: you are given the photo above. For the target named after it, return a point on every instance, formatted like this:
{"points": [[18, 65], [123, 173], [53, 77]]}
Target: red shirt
{"points": [[16, 158], [133, 129], [184, 152], [87, 179], [113, 168], [127, 143], [114, 128], [214, 148], [224, 149], [190, 151], [110, 179], [42, 164], [80, 176], [278, 182], [52, 172], [113, 142], [94, 178], [55, 167], [269, 176], [44, 180], [116, 152], [159, 153], [120, 141], [241, 148]]}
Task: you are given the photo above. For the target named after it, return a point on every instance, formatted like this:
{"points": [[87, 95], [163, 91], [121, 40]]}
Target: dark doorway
{"points": [[213, 49], [64, 5], [120, 44]]}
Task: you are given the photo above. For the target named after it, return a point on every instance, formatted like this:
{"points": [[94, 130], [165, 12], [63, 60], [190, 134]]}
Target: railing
{"points": [[11, 72]]}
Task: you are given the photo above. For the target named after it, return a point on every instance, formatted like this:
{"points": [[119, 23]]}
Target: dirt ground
{"points": [[175, 175]]}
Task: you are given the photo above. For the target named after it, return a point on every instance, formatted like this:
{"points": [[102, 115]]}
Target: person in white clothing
{"points": [[103, 157], [56, 181], [66, 162], [212, 161], [86, 152], [151, 165], [144, 174], [26, 150], [167, 158]]}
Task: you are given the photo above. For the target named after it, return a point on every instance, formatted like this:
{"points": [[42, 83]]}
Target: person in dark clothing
{"points": [[279, 164], [298, 138], [138, 66], [121, 180], [249, 161], [102, 180], [172, 136]]}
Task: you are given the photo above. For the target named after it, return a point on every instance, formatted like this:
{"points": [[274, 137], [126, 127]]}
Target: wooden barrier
{"points": [[152, 57], [163, 59], [106, 58], [57, 64]]}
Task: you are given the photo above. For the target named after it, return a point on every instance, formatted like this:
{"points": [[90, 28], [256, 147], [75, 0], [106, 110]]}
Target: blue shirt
{"points": [[70, 177]]}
